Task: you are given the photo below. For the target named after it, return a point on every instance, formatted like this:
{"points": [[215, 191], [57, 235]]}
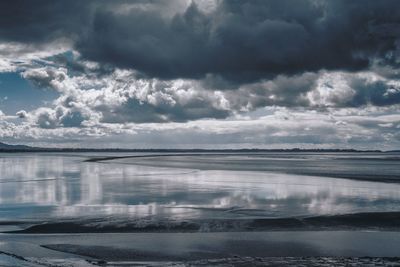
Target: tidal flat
{"points": [[121, 209]]}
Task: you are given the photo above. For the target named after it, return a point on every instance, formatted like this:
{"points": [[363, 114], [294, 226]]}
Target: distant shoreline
{"points": [[193, 150], [23, 148], [38, 149]]}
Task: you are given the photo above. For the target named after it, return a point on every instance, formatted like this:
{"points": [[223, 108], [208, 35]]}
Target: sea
{"points": [[198, 208]]}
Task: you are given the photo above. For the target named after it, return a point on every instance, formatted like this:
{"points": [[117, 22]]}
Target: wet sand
{"points": [[379, 167], [199, 210], [200, 248], [378, 221]]}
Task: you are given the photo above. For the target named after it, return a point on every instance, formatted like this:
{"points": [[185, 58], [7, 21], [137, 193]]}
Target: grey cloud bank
{"points": [[240, 41]]}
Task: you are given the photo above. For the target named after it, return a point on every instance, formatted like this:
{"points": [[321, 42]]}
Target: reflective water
{"points": [[40, 186]]}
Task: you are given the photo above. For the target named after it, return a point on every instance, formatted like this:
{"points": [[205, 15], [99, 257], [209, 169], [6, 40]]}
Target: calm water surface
{"points": [[42, 186]]}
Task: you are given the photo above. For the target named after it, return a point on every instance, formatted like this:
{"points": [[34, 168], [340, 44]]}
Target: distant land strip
{"points": [[23, 148]]}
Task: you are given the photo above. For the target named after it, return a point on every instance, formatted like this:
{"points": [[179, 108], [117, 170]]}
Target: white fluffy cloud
{"points": [[266, 128], [122, 108], [15, 56], [122, 97]]}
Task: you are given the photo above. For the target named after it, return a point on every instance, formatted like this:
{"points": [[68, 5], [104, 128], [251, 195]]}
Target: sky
{"points": [[200, 74]]}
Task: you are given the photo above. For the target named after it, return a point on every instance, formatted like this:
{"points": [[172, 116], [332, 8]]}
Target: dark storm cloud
{"points": [[41, 21], [237, 57], [244, 41], [135, 111], [239, 41]]}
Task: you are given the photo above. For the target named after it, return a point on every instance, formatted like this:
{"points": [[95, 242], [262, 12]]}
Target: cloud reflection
{"points": [[59, 186]]}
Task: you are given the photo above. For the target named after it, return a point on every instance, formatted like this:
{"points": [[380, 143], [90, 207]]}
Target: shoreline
{"points": [[366, 221], [167, 161]]}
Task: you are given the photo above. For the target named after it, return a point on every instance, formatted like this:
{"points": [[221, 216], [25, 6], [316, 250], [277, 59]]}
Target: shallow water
{"points": [[124, 210], [46, 186]]}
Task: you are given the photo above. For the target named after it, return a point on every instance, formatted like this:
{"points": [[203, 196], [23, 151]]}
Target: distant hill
{"points": [[4, 146]]}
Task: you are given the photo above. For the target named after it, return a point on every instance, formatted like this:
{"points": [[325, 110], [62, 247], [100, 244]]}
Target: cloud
{"points": [[122, 107], [22, 114], [240, 41], [24, 21], [46, 77], [59, 117], [244, 41], [270, 128], [16, 56], [298, 72], [124, 96], [151, 61], [341, 89]]}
